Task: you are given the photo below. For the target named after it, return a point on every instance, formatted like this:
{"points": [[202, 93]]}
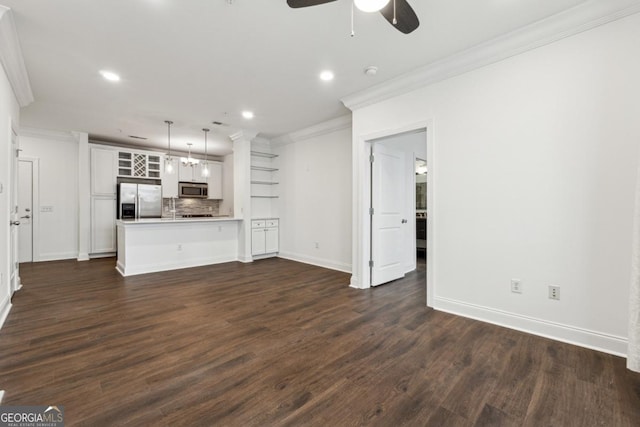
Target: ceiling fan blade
{"points": [[407, 20], [306, 3]]}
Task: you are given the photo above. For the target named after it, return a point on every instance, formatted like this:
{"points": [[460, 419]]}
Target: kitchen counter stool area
{"points": [[147, 246]]}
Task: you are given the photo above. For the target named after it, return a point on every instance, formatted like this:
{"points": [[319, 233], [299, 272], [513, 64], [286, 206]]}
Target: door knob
{"points": [[26, 216], [14, 222]]}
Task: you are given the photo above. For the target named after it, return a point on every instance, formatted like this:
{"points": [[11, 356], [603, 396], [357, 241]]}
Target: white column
{"points": [[242, 190], [84, 196]]}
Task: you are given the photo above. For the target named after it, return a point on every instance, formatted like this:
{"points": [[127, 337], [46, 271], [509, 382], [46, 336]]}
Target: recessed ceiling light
{"points": [[247, 114], [326, 76], [109, 75]]}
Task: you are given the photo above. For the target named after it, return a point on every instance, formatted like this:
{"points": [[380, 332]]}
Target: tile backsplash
{"points": [[191, 206]]}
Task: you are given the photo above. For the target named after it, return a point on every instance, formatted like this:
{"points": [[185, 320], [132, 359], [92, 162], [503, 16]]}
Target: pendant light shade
{"points": [[370, 5], [205, 165], [168, 161]]}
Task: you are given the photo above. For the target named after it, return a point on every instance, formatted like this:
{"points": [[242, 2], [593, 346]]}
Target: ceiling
{"points": [[198, 61]]}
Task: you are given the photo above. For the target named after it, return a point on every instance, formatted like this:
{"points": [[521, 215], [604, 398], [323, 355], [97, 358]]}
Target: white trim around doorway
{"points": [[362, 200]]}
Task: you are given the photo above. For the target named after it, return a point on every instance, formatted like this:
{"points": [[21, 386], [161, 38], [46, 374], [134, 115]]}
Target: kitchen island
{"points": [[160, 244]]}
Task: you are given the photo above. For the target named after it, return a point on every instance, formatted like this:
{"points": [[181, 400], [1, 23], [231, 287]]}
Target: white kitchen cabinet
{"points": [[258, 241], [272, 244], [139, 165], [103, 224], [103, 172], [170, 182], [264, 237], [190, 173], [215, 180]]}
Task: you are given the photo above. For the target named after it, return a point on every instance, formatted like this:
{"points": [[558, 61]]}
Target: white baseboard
{"points": [[556, 331], [5, 307], [245, 259], [100, 255], [154, 268], [320, 262], [1, 396], [83, 256], [58, 256]]}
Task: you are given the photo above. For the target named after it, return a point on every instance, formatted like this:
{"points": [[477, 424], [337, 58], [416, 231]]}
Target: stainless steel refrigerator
{"points": [[139, 201]]}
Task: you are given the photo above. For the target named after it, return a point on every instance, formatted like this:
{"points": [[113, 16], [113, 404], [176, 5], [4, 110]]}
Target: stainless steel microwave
{"points": [[194, 190]]}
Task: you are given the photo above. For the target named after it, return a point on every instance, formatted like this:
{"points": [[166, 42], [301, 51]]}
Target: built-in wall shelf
{"points": [[264, 197], [264, 182], [261, 154], [263, 168]]}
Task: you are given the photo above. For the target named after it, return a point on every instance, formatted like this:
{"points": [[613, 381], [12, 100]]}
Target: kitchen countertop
{"points": [[175, 221]]}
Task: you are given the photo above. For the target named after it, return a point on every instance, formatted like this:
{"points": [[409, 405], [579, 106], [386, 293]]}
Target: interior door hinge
{"points": [[370, 211], [371, 158], [371, 263]]}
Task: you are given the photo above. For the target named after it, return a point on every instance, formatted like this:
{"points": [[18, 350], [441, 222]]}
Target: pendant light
{"points": [[370, 5], [205, 165], [189, 161], [168, 161]]}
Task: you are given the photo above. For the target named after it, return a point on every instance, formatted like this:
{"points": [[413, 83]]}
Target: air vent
{"points": [[137, 137]]}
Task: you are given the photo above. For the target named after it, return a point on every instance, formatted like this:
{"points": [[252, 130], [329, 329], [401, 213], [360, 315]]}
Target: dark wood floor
{"points": [[282, 343]]}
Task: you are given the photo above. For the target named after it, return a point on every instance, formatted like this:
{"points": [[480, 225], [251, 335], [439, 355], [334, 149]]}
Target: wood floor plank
{"points": [[279, 343]]}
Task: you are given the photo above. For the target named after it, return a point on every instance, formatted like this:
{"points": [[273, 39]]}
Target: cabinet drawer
{"points": [[257, 224], [272, 223]]}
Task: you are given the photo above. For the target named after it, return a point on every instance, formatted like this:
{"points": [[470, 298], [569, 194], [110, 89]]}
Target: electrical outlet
{"points": [[317, 245], [516, 286], [554, 292], [179, 248]]}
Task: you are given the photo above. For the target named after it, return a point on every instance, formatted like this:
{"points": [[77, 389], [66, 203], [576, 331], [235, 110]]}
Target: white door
{"points": [[14, 273], [25, 210], [388, 219]]}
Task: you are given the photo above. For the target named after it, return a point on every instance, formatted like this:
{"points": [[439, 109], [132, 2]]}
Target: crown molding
{"points": [[12, 59], [47, 134], [565, 24], [333, 125], [243, 134]]}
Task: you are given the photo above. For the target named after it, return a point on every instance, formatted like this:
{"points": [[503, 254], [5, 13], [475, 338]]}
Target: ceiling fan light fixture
{"points": [[370, 5]]}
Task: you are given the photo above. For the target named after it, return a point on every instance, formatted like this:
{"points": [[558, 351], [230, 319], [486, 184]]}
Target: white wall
{"points": [[9, 116], [58, 188], [534, 168], [315, 199]]}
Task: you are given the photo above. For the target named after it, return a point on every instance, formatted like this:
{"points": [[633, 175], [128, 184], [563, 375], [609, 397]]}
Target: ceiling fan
{"points": [[397, 12]]}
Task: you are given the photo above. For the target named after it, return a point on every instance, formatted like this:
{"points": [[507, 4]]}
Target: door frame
{"points": [[362, 201], [13, 255], [35, 208]]}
